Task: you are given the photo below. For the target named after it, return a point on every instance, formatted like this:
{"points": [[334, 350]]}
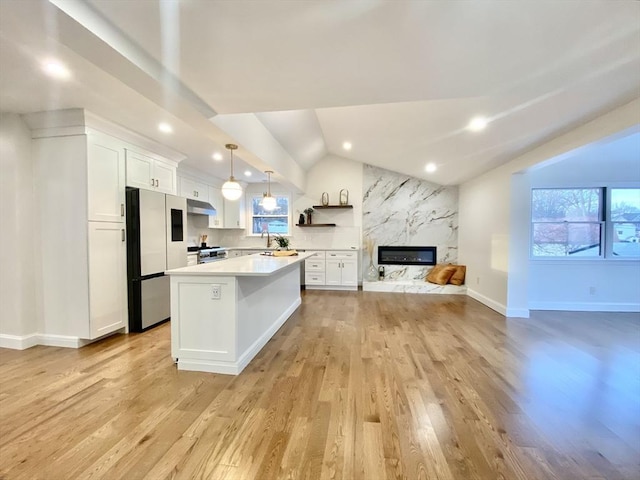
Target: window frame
{"points": [[250, 199], [606, 227]]}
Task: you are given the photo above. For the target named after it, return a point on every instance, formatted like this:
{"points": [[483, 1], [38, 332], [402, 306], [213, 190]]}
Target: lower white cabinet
{"points": [[107, 278], [332, 270]]}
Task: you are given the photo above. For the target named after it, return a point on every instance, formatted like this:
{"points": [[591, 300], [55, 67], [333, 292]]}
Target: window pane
{"points": [[271, 224], [282, 207], [625, 204], [566, 205], [626, 239], [566, 239]]}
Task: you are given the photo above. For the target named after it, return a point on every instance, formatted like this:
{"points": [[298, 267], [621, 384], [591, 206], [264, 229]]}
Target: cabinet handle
{"points": [[157, 182], [152, 182], [123, 235], [122, 209]]}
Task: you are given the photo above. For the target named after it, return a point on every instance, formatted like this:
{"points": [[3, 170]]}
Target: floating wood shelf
{"points": [[320, 207], [316, 225]]}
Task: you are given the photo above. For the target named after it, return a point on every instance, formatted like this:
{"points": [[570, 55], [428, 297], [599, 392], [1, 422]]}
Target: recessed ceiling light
{"points": [[247, 173], [56, 69], [431, 167], [217, 156], [346, 145], [165, 128], [478, 123]]}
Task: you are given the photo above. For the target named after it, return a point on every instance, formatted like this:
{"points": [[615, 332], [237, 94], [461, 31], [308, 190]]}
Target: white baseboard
{"points": [[61, 341], [17, 342], [498, 307], [518, 312], [585, 307]]}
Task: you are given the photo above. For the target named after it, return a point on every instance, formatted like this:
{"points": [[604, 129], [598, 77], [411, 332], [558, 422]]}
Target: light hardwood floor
{"points": [[354, 386]]}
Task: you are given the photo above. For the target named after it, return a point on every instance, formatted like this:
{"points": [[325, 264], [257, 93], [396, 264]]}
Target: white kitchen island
{"points": [[223, 313]]}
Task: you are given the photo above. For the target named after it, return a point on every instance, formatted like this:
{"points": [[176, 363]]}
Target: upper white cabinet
{"points": [[105, 160], [150, 173], [193, 189], [217, 201], [234, 214]]}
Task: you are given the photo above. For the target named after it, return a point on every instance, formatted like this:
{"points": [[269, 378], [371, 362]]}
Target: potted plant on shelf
{"points": [[283, 242], [308, 211]]}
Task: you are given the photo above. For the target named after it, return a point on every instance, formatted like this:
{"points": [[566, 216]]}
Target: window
{"points": [[625, 220], [275, 222], [570, 222]]}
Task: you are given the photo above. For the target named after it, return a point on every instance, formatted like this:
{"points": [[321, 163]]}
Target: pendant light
{"points": [[231, 190], [268, 202]]}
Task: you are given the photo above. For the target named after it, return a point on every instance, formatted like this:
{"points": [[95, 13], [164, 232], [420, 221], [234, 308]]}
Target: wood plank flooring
{"points": [[355, 386]]}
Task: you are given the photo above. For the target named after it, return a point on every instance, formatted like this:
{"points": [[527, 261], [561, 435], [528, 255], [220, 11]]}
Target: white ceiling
{"points": [[399, 80]]}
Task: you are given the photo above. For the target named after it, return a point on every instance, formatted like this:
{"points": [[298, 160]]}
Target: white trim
{"points": [[17, 342], [62, 341], [353, 288], [498, 307], [585, 306], [518, 312]]}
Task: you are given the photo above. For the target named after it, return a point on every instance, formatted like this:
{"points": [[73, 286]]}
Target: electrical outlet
{"points": [[215, 292]]}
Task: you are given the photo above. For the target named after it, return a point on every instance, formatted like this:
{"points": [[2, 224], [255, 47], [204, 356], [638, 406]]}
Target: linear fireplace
{"points": [[406, 255]]}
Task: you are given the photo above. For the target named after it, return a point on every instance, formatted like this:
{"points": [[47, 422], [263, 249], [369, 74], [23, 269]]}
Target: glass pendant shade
{"points": [[269, 203], [231, 190]]}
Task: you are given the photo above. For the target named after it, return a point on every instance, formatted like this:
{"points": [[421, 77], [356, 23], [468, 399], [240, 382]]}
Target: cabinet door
{"points": [[234, 213], [106, 180], [216, 201], [107, 278], [349, 272], [333, 274], [188, 188], [164, 177], [139, 171]]}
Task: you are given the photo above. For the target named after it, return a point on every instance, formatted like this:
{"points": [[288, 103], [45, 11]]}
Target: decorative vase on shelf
{"points": [[308, 218], [301, 219], [372, 273]]}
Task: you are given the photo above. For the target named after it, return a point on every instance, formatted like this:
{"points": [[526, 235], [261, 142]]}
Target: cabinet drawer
{"points": [[319, 254], [343, 254], [313, 278], [312, 265]]}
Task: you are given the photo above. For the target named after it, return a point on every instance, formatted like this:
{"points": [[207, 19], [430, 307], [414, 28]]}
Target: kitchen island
{"points": [[223, 313]]}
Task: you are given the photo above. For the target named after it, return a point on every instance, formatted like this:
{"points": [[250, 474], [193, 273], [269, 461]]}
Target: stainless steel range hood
{"points": [[197, 207]]}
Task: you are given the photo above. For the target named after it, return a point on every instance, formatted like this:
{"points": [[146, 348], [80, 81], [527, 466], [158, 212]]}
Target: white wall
{"points": [[596, 285], [331, 174], [17, 243], [487, 231]]}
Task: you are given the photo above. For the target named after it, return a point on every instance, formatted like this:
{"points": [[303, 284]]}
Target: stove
{"points": [[209, 254]]}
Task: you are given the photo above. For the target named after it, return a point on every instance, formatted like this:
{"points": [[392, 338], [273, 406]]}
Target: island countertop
{"points": [[248, 266]]}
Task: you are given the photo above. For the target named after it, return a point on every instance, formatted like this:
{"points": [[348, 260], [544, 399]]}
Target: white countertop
{"points": [[299, 248], [247, 266]]}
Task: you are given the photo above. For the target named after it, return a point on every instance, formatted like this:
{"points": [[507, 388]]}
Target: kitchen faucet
{"points": [[268, 237]]}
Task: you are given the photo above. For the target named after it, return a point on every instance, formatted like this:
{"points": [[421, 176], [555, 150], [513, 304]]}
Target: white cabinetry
{"points": [[234, 213], [81, 184], [193, 189], [150, 173], [332, 270], [216, 200], [107, 278]]}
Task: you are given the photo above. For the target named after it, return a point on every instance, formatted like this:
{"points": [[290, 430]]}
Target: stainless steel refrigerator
{"points": [[156, 241]]}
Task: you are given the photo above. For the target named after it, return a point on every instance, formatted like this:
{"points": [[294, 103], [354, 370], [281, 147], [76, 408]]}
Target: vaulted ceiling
{"points": [[291, 81]]}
